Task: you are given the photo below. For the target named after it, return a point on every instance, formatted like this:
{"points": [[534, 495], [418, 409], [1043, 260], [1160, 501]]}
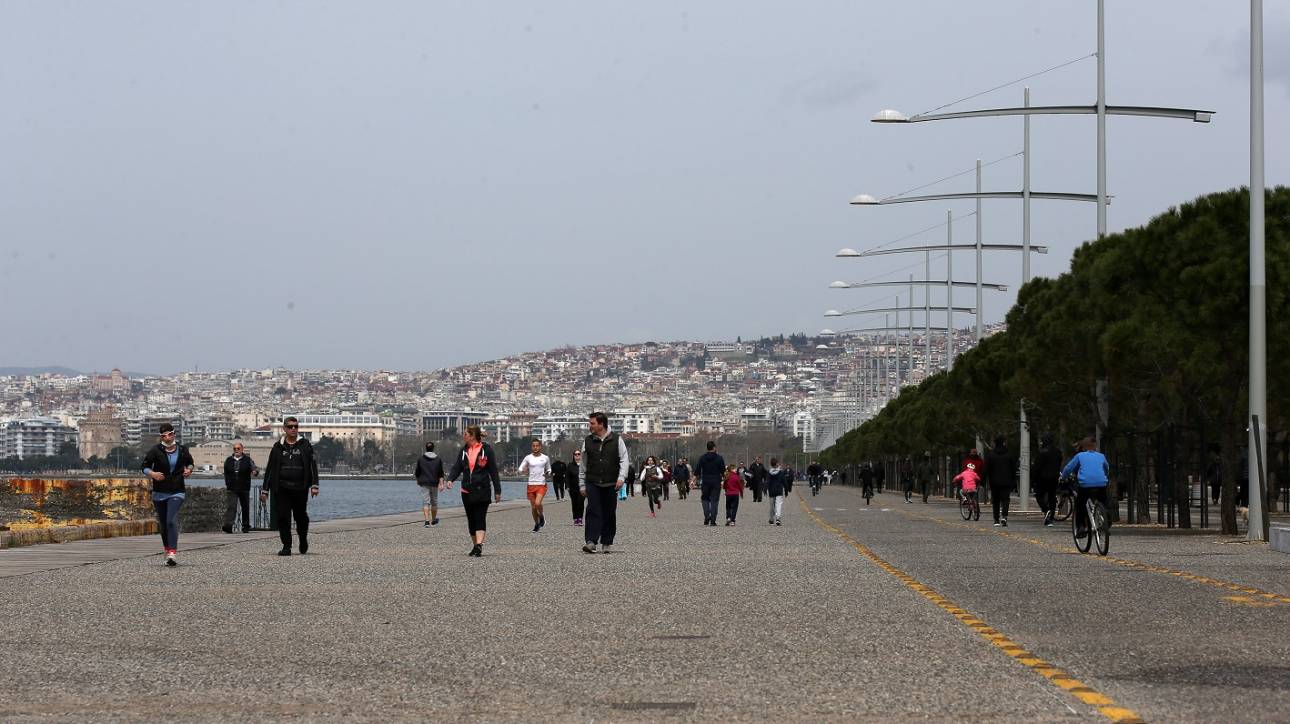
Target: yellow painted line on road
{"points": [[1056, 676], [1274, 599]]}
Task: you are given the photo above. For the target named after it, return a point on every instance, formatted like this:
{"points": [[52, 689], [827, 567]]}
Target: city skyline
{"points": [[351, 188]]}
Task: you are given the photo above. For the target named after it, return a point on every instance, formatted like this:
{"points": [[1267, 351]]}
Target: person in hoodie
{"points": [[1044, 474], [430, 479], [1001, 473], [291, 475], [477, 467], [777, 486], [168, 464]]}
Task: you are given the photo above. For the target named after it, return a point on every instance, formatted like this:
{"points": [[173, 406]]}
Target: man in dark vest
{"points": [[239, 468], [600, 477]]}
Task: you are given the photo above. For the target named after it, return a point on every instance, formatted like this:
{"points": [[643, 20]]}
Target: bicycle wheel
{"points": [[1101, 528], [965, 508], [1065, 505], [1082, 542]]}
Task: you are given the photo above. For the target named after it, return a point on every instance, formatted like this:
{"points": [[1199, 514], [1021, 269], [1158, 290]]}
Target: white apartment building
{"points": [[550, 428], [752, 420], [632, 421], [350, 428], [804, 427], [34, 437]]}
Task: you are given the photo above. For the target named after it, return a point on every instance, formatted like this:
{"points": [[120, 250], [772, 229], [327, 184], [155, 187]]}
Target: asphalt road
{"points": [[817, 620]]}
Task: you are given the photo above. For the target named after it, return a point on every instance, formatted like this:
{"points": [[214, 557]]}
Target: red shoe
{"points": [[651, 514]]}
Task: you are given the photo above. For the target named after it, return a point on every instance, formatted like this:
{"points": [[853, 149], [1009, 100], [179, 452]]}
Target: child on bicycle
{"points": [[1092, 474], [969, 479]]}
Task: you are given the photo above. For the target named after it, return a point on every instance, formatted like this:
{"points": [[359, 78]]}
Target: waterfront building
{"points": [[351, 428], [434, 423]]}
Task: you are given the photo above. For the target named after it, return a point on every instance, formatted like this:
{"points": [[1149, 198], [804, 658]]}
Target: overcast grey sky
{"points": [[409, 185]]}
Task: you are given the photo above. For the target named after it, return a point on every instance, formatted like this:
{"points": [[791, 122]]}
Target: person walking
{"points": [[880, 475], [925, 473], [777, 487], [681, 476], [238, 471], [168, 464], [667, 479], [734, 485], [710, 470], [1001, 473], [429, 477], [1044, 476], [757, 479], [480, 484], [576, 499], [538, 467], [651, 478], [557, 478], [291, 476], [602, 475], [906, 473]]}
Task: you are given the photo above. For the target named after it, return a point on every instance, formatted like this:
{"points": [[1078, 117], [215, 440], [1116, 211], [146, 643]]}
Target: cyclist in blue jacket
{"points": [[1092, 474]]}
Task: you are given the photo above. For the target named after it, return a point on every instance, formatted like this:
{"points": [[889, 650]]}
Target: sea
{"points": [[339, 498]]}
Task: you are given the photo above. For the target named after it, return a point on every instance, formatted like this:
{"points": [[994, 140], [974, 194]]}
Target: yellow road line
{"points": [[1275, 598], [1056, 676]]}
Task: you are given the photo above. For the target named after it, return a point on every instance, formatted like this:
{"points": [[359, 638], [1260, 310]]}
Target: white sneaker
{"points": [[604, 547], [170, 559]]}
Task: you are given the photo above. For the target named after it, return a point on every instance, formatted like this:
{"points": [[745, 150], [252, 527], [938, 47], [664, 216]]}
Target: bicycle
{"points": [[1099, 528], [815, 486], [1065, 503], [969, 508]]}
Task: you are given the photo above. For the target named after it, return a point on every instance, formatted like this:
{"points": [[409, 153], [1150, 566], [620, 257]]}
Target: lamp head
{"points": [[865, 200], [838, 285], [833, 313], [848, 252], [888, 115]]}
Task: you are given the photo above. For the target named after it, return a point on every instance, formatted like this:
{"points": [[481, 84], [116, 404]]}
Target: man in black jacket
{"points": [[430, 479], [1000, 473], [1044, 475], [239, 468], [292, 476], [710, 470], [757, 478]]}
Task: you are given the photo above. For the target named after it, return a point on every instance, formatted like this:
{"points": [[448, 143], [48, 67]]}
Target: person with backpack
{"points": [[429, 477]]}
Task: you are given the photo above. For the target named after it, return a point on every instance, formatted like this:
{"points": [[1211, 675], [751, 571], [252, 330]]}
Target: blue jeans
{"points": [[168, 521], [711, 501]]}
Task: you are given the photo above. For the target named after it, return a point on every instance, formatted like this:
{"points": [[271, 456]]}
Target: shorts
{"points": [[430, 495], [536, 493]]}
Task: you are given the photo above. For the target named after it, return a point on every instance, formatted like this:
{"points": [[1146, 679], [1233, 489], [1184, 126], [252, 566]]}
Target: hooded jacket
{"points": [[776, 482], [999, 471], [475, 483], [429, 470]]}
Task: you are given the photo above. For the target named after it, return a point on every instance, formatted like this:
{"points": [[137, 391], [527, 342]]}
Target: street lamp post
{"points": [[1257, 451]]}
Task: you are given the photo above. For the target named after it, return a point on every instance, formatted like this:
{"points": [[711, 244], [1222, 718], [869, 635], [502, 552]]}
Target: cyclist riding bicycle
{"points": [[969, 479], [1092, 473]]}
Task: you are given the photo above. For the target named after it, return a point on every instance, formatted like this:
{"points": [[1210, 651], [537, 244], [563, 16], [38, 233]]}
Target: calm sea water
{"points": [[358, 498]]}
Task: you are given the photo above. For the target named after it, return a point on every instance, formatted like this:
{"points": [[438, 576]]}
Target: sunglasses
{"points": [[291, 427]]}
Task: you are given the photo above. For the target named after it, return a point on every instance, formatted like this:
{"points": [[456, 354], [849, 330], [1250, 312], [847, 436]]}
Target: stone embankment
{"points": [[39, 510]]}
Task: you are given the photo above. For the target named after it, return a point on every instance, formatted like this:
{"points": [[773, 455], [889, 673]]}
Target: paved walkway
{"points": [[842, 614]]}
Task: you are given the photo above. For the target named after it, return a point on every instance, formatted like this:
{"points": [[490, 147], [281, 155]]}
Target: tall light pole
{"points": [[1257, 452]]}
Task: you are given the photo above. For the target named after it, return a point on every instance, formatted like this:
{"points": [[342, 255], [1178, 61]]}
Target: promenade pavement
{"points": [[842, 614]]}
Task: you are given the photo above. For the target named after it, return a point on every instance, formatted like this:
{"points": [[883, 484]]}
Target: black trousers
{"points": [[559, 489], [233, 498], [476, 515], [1000, 496], [292, 504], [1046, 495], [579, 503], [602, 514], [756, 491]]}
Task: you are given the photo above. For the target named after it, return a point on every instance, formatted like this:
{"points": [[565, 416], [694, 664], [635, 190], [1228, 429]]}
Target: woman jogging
{"points": [[652, 478], [167, 465], [477, 469]]}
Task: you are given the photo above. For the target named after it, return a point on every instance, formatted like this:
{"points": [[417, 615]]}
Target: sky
{"points": [[414, 185]]}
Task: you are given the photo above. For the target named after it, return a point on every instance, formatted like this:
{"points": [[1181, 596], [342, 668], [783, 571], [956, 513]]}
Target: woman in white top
{"points": [[538, 467]]}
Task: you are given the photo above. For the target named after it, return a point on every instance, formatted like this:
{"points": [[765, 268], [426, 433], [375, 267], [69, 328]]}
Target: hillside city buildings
{"points": [[812, 388]]}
